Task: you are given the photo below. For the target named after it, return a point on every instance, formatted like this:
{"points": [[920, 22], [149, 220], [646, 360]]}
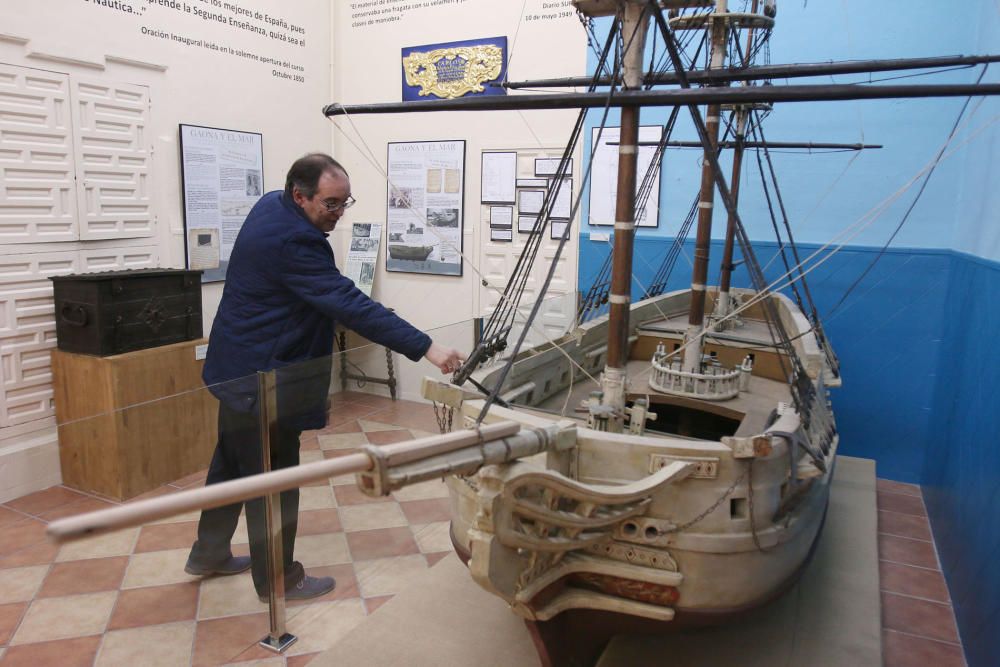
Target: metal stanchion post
{"points": [[278, 639]]}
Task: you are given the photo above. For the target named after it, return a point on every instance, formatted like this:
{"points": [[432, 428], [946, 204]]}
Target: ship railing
{"points": [[713, 383]]}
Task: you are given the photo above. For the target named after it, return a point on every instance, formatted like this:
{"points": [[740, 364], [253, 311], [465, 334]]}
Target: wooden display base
{"points": [[130, 423]]}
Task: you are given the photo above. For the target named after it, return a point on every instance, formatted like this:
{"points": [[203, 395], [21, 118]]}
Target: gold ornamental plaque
{"points": [[453, 72]]}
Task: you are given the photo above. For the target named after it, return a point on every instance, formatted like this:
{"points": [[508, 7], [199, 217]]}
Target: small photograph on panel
{"points": [[253, 183], [442, 217]]}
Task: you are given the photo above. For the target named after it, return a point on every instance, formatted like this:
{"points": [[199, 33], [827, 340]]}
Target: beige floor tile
{"points": [[388, 576], [435, 488], [316, 498], [150, 646], [240, 536], [118, 543], [272, 662], [369, 426], [341, 480], [61, 618], [433, 537], [325, 549], [310, 456], [372, 515], [342, 441], [228, 596], [156, 568], [19, 584], [421, 434], [320, 626]]}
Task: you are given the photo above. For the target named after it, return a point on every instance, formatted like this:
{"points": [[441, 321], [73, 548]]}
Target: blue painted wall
{"points": [[917, 337]]}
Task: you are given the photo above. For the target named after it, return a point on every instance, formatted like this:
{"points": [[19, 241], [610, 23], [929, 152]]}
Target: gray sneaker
{"points": [[308, 587]]}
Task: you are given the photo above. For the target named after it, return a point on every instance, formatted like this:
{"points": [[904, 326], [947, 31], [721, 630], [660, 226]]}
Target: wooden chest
{"points": [[121, 311]]}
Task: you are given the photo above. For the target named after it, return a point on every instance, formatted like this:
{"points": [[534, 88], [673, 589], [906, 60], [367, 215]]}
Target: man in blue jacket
{"points": [[283, 294]]}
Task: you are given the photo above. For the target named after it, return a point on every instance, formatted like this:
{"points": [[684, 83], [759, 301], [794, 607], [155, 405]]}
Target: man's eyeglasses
{"points": [[335, 206]]}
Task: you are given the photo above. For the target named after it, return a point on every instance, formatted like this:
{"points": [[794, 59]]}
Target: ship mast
{"points": [[723, 302], [634, 24], [718, 29]]}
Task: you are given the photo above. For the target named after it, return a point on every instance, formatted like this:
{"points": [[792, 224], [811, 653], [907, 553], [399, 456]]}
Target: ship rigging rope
{"points": [[916, 198], [848, 234]]}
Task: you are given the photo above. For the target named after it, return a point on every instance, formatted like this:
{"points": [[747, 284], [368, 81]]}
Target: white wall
{"points": [[366, 63], [104, 42]]}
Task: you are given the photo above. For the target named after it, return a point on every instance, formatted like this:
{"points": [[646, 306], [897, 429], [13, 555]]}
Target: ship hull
{"points": [[728, 530]]}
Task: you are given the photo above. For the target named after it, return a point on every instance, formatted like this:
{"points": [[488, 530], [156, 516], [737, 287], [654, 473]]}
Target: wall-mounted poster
{"points": [[362, 254], [604, 180], [499, 174], [424, 214], [222, 177]]}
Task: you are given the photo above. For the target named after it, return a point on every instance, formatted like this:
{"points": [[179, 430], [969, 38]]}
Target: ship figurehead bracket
{"points": [[546, 543]]}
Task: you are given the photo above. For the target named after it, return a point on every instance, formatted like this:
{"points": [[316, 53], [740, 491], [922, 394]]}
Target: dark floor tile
{"points": [[904, 525], [896, 502], [82, 506], [902, 650], [9, 516], [90, 575], [21, 534], [918, 617], [43, 501], [10, 618], [138, 607], [39, 553], [913, 581], [77, 652], [907, 551]]}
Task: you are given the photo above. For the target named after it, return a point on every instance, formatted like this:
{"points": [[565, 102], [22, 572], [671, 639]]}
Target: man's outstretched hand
{"points": [[446, 358]]}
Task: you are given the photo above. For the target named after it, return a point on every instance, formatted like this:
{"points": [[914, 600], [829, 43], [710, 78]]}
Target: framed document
{"points": [[530, 201], [222, 177], [499, 175], [548, 166], [532, 182], [502, 235], [501, 217], [563, 205], [556, 228], [526, 224], [424, 207]]}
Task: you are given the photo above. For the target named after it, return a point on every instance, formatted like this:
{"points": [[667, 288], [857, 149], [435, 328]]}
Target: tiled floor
{"points": [[124, 599], [918, 625]]}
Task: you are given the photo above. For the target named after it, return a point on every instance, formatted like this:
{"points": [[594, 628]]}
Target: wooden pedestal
{"points": [[132, 422]]}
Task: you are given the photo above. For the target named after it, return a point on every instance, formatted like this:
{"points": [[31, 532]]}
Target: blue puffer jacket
{"points": [[282, 296]]}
